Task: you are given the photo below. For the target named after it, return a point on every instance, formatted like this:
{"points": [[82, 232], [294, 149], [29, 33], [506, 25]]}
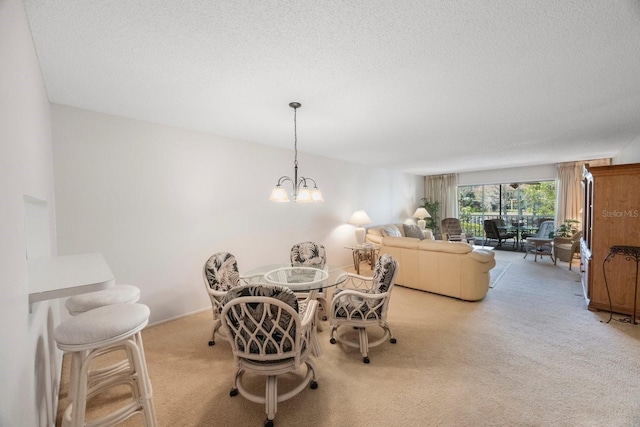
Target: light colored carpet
{"points": [[529, 354], [496, 272]]}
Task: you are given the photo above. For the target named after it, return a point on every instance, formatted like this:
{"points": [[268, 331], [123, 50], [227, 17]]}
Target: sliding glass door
{"points": [[526, 204]]}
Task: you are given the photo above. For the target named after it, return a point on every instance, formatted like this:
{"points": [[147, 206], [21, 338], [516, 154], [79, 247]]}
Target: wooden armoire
{"points": [[610, 217]]}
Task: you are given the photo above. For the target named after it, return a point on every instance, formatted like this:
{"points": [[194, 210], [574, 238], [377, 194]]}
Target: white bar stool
{"points": [[119, 294], [93, 333], [77, 304]]}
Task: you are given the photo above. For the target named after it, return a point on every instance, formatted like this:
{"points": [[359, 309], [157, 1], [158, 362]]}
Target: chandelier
{"points": [[301, 191]]}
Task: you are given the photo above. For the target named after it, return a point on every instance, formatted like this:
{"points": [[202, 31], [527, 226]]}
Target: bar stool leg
{"points": [[88, 337]]}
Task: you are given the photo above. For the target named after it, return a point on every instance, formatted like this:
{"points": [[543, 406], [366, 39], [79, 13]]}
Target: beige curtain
{"points": [[443, 189], [569, 190]]}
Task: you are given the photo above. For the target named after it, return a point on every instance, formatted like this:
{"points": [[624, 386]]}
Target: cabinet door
{"points": [[614, 222], [585, 265]]}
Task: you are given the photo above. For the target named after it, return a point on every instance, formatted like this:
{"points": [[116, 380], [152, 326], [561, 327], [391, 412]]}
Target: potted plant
{"points": [[566, 241], [567, 229], [431, 207]]}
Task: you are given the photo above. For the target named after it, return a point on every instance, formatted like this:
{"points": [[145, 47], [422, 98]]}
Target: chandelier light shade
{"points": [[301, 191], [421, 214], [359, 218]]}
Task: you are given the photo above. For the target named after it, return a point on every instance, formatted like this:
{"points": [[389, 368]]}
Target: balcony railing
{"points": [[474, 223]]}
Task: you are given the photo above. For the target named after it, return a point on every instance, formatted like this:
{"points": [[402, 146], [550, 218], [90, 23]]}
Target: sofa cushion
{"points": [[401, 242], [428, 234], [391, 230], [412, 230]]}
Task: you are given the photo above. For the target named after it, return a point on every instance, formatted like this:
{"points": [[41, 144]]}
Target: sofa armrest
{"points": [[482, 255], [374, 238]]}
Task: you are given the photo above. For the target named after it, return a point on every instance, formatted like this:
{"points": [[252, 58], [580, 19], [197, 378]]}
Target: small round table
{"points": [[305, 279], [366, 251], [307, 282]]}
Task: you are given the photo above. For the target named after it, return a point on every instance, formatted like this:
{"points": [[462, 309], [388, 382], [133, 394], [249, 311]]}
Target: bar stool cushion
{"points": [[119, 294], [101, 326]]}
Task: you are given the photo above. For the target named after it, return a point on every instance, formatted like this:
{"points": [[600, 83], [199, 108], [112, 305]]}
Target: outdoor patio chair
{"points": [[540, 244], [492, 232]]}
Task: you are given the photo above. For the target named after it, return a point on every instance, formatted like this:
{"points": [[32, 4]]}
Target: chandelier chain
{"points": [[295, 136]]}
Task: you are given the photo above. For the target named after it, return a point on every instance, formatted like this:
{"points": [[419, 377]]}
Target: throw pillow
{"points": [[391, 231], [412, 230]]}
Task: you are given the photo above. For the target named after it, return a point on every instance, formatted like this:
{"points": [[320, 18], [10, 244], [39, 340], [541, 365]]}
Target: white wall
{"points": [[28, 377], [501, 176], [157, 201], [629, 154]]}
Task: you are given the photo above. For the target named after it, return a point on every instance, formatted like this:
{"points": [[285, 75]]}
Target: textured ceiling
{"points": [[425, 87]]}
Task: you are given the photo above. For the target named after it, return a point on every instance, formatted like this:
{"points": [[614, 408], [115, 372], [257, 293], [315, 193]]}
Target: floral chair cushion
{"points": [[383, 273], [369, 307], [278, 336], [262, 290], [222, 271], [308, 254]]}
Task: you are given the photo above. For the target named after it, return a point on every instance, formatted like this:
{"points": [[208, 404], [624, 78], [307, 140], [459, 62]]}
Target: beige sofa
{"points": [[453, 269], [375, 234]]}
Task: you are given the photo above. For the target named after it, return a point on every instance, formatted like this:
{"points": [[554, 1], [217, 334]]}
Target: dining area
{"points": [[271, 317]]}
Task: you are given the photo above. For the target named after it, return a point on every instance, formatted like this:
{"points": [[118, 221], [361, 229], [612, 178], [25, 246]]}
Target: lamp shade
{"points": [[279, 195], [304, 195], [359, 218], [316, 195], [421, 213]]}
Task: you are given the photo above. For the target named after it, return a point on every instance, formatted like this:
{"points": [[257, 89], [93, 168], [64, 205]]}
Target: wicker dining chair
{"points": [[269, 338], [361, 303], [220, 274], [311, 254]]}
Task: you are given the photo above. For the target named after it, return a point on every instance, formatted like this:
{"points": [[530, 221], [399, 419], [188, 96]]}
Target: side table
{"points": [[368, 252], [540, 247]]}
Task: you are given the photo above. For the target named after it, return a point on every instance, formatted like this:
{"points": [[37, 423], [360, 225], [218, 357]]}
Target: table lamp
{"points": [[421, 214], [359, 218]]}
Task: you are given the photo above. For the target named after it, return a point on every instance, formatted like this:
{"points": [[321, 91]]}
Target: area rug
{"points": [[496, 272]]}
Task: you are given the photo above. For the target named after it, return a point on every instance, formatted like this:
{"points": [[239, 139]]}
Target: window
{"points": [[525, 203]]}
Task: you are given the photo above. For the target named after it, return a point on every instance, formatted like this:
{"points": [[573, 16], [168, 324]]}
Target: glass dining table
{"points": [[296, 278], [521, 232]]}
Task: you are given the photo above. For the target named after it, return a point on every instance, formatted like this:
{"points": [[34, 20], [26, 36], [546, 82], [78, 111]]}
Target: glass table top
{"points": [[295, 278]]}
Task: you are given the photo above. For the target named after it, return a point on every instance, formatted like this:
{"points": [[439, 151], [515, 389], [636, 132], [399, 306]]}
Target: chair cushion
{"points": [[412, 230], [357, 308], [546, 228], [308, 254], [119, 294], [101, 324], [222, 271], [273, 291], [256, 315], [383, 274]]}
